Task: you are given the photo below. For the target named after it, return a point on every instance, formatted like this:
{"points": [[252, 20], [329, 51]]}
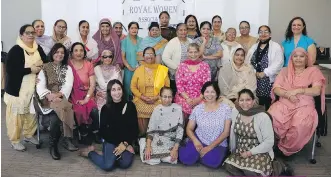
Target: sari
{"points": [[232, 79], [295, 123], [79, 91], [158, 43], [114, 43]]}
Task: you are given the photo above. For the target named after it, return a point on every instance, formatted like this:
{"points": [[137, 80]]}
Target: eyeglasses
{"points": [[244, 28], [30, 33], [165, 97], [109, 56], [263, 32], [149, 54], [61, 27]]}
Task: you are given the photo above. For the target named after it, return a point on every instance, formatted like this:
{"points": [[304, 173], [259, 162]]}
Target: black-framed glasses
{"points": [[107, 56]]}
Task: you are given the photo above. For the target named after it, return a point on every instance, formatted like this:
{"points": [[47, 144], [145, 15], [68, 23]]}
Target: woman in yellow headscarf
{"points": [[146, 83]]}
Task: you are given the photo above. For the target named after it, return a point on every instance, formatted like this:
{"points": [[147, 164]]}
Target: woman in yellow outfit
{"points": [[23, 63], [146, 83]]}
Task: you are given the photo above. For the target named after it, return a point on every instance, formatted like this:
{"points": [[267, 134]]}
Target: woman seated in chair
{"points": [[294, 115], [165, 132], [104, 72], [54, 88], [236, 75], [208, 130], [118, 128], [251, 139], [82, 95]]}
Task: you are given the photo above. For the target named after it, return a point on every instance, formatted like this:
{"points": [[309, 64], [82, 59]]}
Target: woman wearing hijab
{"points": [[236, 76], [294, 115], [155, 40], [85, 38], [60, 33], [44, 41], [107, 39]]}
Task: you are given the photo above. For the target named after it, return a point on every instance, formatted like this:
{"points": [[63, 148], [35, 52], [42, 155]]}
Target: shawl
{"points": [[288, 81], [114, 39], [46, 42], [91, 46], [158, 43], [62, 40], [232, 79]]}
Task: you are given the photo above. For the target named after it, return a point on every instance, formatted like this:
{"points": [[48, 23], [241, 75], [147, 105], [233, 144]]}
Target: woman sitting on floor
{"points": [[118, 128], [208, 130], [294, 115], [165, 132], [251, 139]]}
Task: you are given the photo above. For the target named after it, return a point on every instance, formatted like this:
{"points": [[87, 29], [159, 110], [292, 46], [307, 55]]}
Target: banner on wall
{"points": [[146, 11]]}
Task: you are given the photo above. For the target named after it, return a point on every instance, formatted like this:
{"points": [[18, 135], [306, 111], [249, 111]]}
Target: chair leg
{"points": [[312, 160]]}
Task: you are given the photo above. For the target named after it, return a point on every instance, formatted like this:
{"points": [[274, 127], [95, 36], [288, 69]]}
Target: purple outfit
{"points": [[210, 125]]}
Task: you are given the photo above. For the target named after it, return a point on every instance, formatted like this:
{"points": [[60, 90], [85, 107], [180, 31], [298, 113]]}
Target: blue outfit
{"points": [[304, 42], [130, 51]]}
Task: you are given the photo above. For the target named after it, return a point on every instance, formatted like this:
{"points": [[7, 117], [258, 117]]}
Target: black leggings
{"points": [[265, 101], [94, 127], [55, 125]]}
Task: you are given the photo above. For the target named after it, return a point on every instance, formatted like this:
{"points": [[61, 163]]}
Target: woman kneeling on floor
{"points": [[208, 142], [118, 128], [164, 133], [251, 139]]}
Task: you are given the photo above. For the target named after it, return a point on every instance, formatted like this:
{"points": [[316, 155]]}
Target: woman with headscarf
{"points": [[155, 40], [107, 39], [60, 33], [294, 115], [118, 26], [84, 37], [236, 75], [44, 41], [229, 46], [24, 61]]}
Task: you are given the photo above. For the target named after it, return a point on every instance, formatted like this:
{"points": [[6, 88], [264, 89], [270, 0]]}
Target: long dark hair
{"points": [[54, 49], [110, 85], [196, 21], [289, 32]]}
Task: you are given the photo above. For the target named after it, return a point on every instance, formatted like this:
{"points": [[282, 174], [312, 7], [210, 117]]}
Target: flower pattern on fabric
{"points": [[190, 83]]}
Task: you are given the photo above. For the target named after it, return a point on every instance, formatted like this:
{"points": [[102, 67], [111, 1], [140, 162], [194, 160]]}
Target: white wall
{"points": [[14, 14], [317, 13]]}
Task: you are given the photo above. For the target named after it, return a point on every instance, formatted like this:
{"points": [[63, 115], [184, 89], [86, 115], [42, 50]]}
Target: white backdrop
{"points": [[231, 11]]}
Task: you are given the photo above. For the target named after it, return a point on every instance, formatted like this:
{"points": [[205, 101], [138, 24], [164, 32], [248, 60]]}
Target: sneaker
{"points": [[31, 140], [18, 146], [67, 144]]}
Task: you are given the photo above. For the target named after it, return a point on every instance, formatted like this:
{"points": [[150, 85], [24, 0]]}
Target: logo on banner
{"points": [[146, 11]]}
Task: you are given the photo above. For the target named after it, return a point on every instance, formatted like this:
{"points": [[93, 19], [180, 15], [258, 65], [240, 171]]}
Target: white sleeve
{"points": [[41, 88], [99, 78], [67, 87], [276, 61], [167, 56]]}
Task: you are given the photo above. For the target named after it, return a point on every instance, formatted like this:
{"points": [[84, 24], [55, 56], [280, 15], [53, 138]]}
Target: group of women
{"points": [[178, 93]]}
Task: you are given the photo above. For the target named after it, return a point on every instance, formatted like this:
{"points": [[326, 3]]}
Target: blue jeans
{"points": [[108, 161]]}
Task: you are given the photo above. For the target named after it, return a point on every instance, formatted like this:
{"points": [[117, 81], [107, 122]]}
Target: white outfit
{"points": [[275, 59], [228, 53], [42, 90], [91, 45], [102, 82], [154, 161]]}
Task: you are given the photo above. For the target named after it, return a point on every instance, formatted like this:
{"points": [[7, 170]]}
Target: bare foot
{"points": [[83, 152]]}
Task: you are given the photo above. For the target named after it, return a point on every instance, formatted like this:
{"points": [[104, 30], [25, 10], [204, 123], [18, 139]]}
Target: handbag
{"points": [[323, 53]]}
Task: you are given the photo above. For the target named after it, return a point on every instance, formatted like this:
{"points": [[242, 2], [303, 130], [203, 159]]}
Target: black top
{"points": [[116, 127], [15, 69]]}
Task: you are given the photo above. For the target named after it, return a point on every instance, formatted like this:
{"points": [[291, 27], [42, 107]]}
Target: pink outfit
{"points": [[190, 83], [79, 91], [295, 123]]}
